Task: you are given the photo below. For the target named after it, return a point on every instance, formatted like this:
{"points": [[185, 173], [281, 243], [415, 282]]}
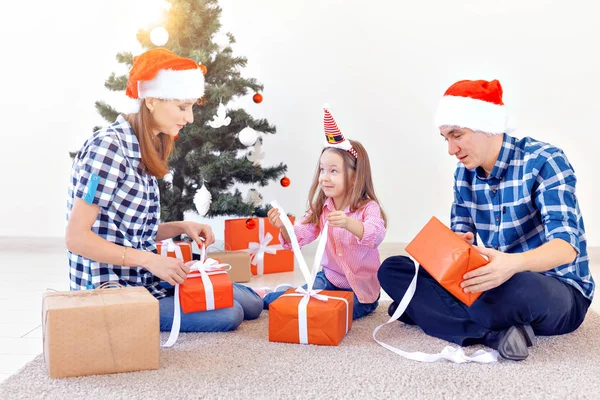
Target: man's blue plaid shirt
{"points": [[527, 200]]}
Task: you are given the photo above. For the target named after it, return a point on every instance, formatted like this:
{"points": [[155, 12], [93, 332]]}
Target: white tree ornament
{"points": [[221, 119], [247, 136], [254, 198], [257, 154], [202, 200]]}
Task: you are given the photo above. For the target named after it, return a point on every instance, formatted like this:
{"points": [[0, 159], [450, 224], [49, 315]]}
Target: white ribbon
{"points": [[202, 269], [169, 246], [309, 292], [258, 249], [454, 354]]}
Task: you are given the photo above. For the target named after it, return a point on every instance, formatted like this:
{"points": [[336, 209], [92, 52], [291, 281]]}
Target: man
{"points": [[518, 195]]}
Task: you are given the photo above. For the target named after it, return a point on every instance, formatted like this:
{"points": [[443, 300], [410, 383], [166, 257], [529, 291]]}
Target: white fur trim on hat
{"points": [[174, 85], [477, 115], [345, 145]]}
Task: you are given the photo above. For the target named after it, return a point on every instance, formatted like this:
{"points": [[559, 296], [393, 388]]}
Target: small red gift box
{"points": [[181, 250], [207, 287]]}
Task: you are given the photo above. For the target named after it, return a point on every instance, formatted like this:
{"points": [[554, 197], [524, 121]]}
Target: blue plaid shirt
{"points": [[527, 200], [108, 172]]}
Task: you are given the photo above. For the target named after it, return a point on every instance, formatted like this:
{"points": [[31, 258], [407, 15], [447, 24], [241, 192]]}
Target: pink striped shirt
{"points": [[348, 262]]}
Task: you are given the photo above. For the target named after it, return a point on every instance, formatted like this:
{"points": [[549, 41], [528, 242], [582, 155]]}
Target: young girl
{"points": [[342, 193]]}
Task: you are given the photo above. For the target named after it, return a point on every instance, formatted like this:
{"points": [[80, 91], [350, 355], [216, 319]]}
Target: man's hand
{"points": [[502, 267], [467, 237]]}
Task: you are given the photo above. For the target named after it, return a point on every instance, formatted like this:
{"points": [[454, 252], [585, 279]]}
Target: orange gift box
{"points": [[327, 322], [446, 257], [192, 292], [186, 250], [260, 239]]}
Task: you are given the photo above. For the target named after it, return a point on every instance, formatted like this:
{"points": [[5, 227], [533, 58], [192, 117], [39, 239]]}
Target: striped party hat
{"points": [[334, 136]]}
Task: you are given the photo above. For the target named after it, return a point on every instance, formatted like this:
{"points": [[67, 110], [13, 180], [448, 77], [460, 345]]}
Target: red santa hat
{"points": [[334, 136], [163, 74], [476, 105]]}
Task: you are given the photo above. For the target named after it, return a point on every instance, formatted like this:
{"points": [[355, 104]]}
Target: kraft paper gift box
{"points": [[239, 261], [266, 253], [181, 250], [323, 322], [210, 289], [101, 331], [446, 257]]}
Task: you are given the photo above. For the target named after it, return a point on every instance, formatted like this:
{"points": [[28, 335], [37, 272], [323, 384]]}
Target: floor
{"points": [[32, 266]]}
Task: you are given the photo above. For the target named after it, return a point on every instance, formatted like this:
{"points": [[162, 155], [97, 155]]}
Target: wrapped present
{"points": [[446, 257], [207, 287], [310, 316], [239, 262], [317, 317], [101, 331], [180, 250], [259, 238]]}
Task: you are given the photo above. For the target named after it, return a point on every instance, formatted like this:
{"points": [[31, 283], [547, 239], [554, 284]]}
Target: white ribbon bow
{"points": [[202, 269], [258, 249], [169, 246], [308, 276]]}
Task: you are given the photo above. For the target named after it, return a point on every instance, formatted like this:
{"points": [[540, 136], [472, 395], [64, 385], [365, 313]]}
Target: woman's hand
{"points": [[197, 231], [168, 269]]}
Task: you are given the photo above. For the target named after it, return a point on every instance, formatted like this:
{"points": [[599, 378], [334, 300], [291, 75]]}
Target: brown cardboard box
{"points": [[101, 331], [239, 261]]}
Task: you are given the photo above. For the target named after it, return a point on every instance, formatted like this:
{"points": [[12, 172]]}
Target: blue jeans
{"points": [[246, 305], [321, 282], [549, 305]]}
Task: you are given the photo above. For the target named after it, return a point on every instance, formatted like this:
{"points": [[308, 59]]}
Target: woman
{"points": [[113, 207]]}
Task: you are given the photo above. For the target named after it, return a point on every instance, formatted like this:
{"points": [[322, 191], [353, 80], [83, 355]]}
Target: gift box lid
{"points": [[97, 297]]}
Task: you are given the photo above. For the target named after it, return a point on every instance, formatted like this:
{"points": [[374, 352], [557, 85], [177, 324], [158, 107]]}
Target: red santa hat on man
{"points": [[163, 74], [333, 135], [476, 105]]}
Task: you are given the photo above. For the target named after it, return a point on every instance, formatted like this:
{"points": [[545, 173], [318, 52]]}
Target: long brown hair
{"points": [[155, 149], [362, 192]]}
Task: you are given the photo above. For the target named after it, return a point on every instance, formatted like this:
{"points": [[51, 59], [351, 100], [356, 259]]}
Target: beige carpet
{"points": [[244, 364]]}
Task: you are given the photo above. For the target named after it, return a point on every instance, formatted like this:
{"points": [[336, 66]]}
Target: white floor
{"points": [[29, 267]]}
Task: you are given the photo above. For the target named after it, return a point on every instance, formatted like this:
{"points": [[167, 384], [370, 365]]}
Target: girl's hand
{"points": [[196, 231], [274, 219], [338, 219]]}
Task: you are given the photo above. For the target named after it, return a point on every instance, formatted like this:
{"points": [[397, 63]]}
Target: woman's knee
{"points": [[228, 319], [253, 307]]}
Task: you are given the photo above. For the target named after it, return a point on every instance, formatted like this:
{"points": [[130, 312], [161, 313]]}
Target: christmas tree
{"points": [[208, 152]]}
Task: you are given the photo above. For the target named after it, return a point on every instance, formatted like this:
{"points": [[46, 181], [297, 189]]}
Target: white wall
{"points": [[382, 66]]}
